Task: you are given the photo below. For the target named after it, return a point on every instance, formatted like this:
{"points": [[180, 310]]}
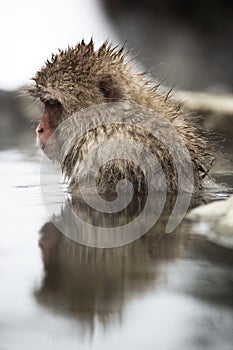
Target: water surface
{"points": [[165, 291]]}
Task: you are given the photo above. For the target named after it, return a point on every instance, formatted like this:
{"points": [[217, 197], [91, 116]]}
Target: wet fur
{"points": [[83, 77]]}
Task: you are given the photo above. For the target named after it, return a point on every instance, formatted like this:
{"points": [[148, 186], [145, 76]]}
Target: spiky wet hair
{"points": [[81, 77]]}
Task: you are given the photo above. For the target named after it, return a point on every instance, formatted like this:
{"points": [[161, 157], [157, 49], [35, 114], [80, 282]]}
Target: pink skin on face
{"points": [[44, 132]]}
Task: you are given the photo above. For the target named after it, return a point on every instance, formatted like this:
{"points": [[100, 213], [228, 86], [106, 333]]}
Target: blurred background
{"points": [[184, 44], [188, 42]]}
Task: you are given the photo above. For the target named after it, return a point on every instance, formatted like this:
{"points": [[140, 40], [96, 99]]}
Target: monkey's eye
{"points": [[51, 103]]}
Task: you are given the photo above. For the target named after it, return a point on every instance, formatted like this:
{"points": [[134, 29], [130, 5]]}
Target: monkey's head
{"points": [[78, 78]]}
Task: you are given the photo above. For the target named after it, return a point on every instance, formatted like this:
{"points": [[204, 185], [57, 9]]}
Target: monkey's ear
{"points": [[109, 88]]}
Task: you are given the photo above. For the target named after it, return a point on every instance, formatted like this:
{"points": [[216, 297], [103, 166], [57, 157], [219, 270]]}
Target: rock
{"points": [[215, 220]]}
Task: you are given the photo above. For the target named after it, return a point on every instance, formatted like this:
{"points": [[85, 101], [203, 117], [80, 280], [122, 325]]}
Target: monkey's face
{"points": [[46, 134], [102, 89]]}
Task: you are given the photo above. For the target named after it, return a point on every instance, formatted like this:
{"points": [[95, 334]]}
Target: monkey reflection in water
{"points": [[84, 282]]}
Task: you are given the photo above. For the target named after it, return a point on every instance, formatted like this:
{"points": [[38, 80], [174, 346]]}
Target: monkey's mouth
{"points": [[51, 149]]}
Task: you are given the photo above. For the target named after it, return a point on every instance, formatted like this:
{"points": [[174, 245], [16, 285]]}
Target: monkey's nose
{"points": [[40, 130]]}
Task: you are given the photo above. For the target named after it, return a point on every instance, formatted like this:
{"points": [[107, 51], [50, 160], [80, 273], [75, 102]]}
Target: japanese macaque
{"points": [[82, 78]]}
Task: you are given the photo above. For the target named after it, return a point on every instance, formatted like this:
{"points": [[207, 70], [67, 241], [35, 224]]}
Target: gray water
{"points": [[163, 291]]}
